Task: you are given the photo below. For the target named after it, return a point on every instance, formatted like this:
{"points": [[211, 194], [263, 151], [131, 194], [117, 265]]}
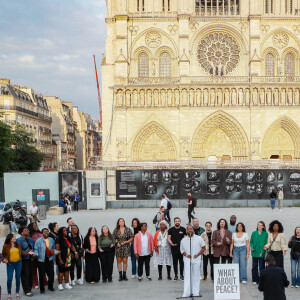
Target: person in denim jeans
{"points": [[135, 228], [294, 244], [240, 250], [12, 252], [44, 249], [27, 246], [273, 196], [259, 239]]}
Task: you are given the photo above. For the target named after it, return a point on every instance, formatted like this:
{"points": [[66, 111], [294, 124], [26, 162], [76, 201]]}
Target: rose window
{"points": [[218, 54]]}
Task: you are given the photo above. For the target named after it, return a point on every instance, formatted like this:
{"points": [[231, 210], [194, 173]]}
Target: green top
{"points": [[106, 242], [257, 243]]}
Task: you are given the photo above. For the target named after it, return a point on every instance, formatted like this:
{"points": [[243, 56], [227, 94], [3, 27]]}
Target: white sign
{"points": [[226, 281]]}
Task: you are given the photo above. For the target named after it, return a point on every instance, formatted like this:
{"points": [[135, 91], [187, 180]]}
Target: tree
{"points": [[27, 157], [17, 151], [6, 152]]}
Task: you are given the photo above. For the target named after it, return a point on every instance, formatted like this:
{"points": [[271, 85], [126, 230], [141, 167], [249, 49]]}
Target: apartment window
{"points": [[289, 65], [143, 65], [165, 65], [270, 65]]}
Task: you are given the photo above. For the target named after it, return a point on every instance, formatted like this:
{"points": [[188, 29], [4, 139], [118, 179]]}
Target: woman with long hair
{"points": [[123, 237], [64, 246], [240, 250], [135, 228], [92, 265], [12, 253], [294, 244], [77, 241], [259, 238], [276, 242], [35, 234], [107, 253]]}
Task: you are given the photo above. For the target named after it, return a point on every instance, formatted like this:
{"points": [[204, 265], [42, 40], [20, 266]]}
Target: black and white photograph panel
{"points": [[250, 176], [213, 176], [212, 188], [166, 175], [146, 176]]}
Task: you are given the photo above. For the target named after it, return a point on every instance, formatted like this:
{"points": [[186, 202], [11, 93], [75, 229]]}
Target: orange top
{"points": [[93, 244]]}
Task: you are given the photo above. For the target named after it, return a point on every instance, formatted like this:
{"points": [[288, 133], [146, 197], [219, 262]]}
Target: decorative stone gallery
{"points": [[201, 80]]}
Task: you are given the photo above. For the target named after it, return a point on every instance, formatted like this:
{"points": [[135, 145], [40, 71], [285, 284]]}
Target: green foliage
{"points": [[17, 152], [6, 153]]}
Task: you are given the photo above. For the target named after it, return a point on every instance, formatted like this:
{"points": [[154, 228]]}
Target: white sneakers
{"points": [[73, 283], [80, 281], [133, 276], [244, 282], [67, 286], [60, 287]]}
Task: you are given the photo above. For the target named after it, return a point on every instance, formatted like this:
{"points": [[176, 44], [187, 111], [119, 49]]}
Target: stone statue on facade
{"points": [[283, 97], [170, 98], [262, 96], [233, 97], [128, 98], [254, 97], [276, 97], [149, 98]]}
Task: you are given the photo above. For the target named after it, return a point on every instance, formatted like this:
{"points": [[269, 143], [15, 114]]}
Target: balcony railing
{"points": [[19, 108], [206, 80]]}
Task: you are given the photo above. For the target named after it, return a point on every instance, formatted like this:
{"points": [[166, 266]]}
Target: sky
{"points": [[48, 45]]}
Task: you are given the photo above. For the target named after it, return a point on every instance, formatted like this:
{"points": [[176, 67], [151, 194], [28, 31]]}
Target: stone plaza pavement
{"points": [[166, 290]]}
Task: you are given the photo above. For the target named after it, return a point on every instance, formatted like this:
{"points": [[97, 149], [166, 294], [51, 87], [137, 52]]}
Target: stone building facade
{"points": [[86, 138], [200, 80], [63, 133], [21, 105]]}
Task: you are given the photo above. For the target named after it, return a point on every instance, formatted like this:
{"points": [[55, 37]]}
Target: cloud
{"points": [[26, 59], [49, 47]]}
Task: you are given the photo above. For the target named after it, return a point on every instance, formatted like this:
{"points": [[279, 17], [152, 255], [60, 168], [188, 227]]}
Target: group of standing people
{"points": [[276, 196], [66, 203], [37, 254]]}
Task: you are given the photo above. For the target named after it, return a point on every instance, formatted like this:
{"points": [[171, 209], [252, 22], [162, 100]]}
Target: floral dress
{"points": [[124, 250]]}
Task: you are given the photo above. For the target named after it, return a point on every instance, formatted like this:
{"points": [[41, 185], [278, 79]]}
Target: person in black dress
{"points": [[92, 265], [64, 246]]}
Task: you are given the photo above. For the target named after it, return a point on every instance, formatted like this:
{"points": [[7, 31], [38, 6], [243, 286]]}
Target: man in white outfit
{"points": [[191, 247]]}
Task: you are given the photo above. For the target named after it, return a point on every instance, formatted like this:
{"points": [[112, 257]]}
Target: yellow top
{"points": [[14, 255], [47, 243]]}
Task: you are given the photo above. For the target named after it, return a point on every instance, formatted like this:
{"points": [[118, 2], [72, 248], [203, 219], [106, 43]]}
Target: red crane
{"points": [[100, 108], [99, 96]]}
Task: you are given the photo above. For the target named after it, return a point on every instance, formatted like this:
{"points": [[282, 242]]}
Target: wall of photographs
{"points": [[207, 184]]}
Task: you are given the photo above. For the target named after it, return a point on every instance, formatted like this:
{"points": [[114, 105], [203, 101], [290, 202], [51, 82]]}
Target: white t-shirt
{"points": [[33, 210], [239, 242], [164, 203], [144, 246]]}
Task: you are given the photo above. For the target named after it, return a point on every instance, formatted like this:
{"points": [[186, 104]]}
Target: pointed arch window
{"points": [[269, 6], [143, 65], [289, 65], [270, 65], [165, 65]]}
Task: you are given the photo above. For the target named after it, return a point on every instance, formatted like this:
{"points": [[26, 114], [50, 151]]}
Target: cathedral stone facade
{"points": [[200, 80]]}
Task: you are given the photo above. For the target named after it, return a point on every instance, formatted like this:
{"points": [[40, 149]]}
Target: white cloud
{"points": [[49, 47], [29, 59]]}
